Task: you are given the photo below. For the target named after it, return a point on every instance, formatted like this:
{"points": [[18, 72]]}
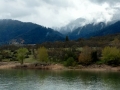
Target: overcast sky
{"points": [[56, 13]]}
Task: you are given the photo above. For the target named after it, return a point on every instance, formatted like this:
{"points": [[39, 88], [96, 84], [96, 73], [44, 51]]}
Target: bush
{"points": [[111, 55], [13, 59], [85, 56], [68, 54], [70, 62]]}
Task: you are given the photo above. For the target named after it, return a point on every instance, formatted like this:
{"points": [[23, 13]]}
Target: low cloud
{"points": [[57, 13]]}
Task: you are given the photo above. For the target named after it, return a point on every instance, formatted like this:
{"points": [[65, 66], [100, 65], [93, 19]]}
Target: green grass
{"points": [[79, 49], [6, 60], [31, 59]]}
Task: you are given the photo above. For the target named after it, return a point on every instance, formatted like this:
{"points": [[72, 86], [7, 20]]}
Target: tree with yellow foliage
{"points": [[42, 54], [111, 55]]}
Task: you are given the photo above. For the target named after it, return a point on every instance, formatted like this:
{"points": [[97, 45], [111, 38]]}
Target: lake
{"points": [[58, 80]]}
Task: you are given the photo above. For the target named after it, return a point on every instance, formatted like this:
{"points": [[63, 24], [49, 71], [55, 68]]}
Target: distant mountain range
{"points": [[80, 28], [14, 31], [87, 30], [71, 26], [111, 29]]}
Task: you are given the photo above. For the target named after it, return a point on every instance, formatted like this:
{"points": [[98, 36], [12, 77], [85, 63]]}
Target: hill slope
{"points": [[29, 32], [87, 30], [99, 29], [112, 29]]}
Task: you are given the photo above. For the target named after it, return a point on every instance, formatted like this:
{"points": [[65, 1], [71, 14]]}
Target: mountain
{"points": [[81, 28], [95, 29], [12, 31], [111, 29], [71, 26], [41, 34], [87, 30], [31, 33]]}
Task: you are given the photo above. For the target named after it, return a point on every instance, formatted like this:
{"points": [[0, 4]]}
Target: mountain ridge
{"points": [[14, 29], [90, 29], [30, 33]]}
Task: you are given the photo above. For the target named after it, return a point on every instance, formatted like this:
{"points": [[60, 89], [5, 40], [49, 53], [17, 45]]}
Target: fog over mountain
{"points": [[59, 13], [81, 23]]}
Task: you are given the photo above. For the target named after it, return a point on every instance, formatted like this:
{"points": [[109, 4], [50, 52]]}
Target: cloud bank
{"points": [[57, 13]]}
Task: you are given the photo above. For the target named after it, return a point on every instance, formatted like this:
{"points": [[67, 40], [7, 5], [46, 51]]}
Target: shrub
{"points": [[69, 53], [85, 56], [70, 62], [111, 55]]}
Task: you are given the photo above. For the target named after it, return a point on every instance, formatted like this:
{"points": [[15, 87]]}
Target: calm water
{"points": [[62, 80]]}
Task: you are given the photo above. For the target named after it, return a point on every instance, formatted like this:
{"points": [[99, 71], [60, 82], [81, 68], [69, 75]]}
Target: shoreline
{"points": [[94, 67]]}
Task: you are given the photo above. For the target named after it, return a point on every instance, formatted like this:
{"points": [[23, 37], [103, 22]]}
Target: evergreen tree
{"points": [[66, 39]]}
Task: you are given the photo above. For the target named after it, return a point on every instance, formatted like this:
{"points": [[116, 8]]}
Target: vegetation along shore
{"points": [[78, 55]]}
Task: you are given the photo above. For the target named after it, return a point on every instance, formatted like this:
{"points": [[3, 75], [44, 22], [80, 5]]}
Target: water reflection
{"points": [[58, 80]]}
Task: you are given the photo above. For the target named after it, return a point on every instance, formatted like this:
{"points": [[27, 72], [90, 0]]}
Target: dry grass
{"points": [[10, 65]]}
